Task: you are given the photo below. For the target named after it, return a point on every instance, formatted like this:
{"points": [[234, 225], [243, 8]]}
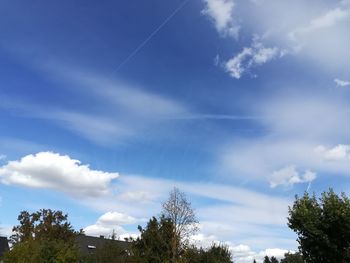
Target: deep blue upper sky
{"points": [[241, 104]]}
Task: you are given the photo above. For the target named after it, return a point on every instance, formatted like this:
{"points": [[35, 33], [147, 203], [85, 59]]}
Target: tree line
{"points": [[46, 236]]}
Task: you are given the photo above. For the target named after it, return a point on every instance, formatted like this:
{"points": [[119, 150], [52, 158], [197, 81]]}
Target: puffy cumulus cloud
{"points": [[54, 171], [244, 254], [221, 13], [241, 253], [112, 218], [250, 57], [2, 157], [341, 83], [110, 222], [288, 176]]}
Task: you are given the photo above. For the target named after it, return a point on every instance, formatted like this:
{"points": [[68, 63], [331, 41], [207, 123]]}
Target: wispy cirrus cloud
{"points": [[305, 25], [304, 136], [119, 110], [341, 83]]}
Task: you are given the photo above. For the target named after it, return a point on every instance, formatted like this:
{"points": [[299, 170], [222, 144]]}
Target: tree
{"points": [[43, 237], [292, 258], [154, 243], [178, 209], [214, 254], [322, 226], [217, 254], [273, 260], [267, 259], [45, 224]]}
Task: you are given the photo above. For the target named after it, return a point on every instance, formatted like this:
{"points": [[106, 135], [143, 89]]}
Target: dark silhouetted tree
{"points": [[154, 243], [322, 226], [292, 258]]}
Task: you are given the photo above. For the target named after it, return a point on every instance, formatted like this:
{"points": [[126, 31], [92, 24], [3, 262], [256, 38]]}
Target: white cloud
{"points": [[101, 230], [250, 57], [221, 12], [297, 28], [329, 19], [138, 196], [306, 131], [6, 231], [240, 213], [109, 222], [240, 253], [338, 153], [55, 171], [341, 83], [237, 65], [111, 218], [244, 254], [2, 157], [288, 176], [120, 110]]}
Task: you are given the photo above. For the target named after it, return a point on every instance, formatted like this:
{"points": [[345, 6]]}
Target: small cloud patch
{"points": [[288, 176]]}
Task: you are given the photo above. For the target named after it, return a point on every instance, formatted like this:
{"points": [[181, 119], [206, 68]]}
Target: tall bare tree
{"points": [[179, 210]]}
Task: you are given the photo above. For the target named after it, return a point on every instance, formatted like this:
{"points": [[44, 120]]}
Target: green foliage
{"points": [[217, 254], [35, 251], [322, 226], [44, 224], [45, 236], [292, 258], [192, 254], [154, 243]]}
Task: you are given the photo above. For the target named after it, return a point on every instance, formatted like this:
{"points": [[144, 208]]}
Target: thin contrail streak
{"points": [[143, 43], [308, 187]]}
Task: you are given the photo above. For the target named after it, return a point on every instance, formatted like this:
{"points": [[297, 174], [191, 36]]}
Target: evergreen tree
{"points": [[267, 259], [292, 258], [154, 243]]}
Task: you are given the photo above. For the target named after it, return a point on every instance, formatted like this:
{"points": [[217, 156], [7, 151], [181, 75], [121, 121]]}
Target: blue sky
{"points": [[241, 104]]}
